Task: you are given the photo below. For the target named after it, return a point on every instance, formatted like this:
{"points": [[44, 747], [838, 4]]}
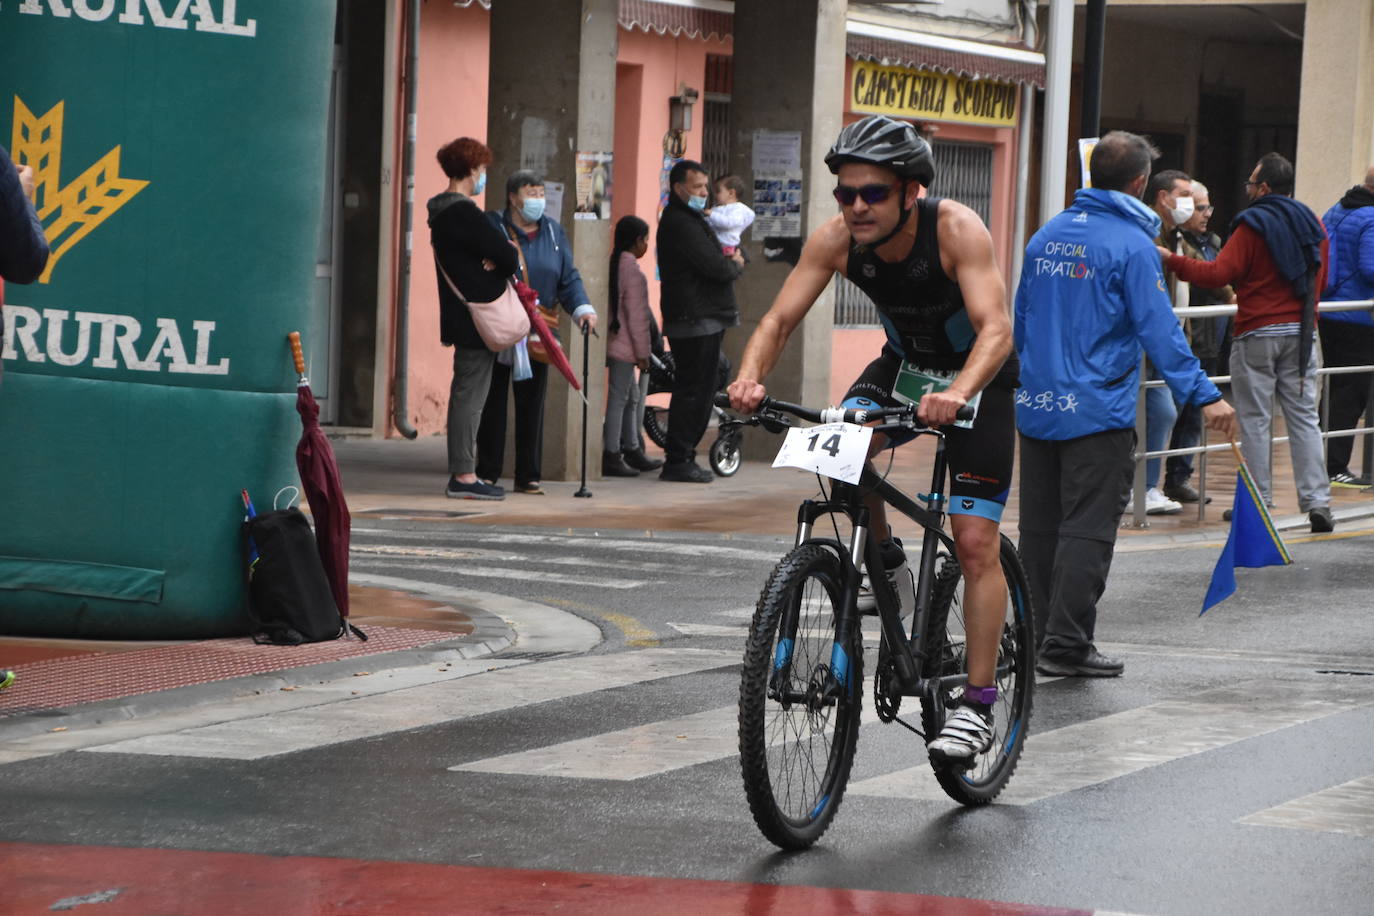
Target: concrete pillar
{"points": [[1336, 106], [789, 58], [551, 95]]}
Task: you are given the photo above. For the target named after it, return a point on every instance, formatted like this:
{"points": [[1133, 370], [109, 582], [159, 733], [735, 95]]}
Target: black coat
{"points": [[462, 236], [697, 278]]}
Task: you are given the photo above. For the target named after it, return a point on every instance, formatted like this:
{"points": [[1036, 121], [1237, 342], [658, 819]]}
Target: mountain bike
{"points": [[801, 688]]}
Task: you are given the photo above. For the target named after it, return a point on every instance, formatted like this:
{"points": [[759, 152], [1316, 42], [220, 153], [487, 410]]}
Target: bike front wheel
{"points": [[725, 454], [945, 647], [656, 425], [800, 698]]}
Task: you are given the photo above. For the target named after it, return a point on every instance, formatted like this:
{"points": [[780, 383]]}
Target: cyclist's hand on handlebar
{"points": [[745, 394], [939, 408]]}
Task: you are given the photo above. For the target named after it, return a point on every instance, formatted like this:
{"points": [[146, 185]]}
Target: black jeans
{"points": [[1072, 495], [696, 365], [1187, 433], [1345, 343], [529, 425]]}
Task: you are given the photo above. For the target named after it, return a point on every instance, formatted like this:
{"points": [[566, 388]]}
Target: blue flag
{"points": [[1253, 542]]}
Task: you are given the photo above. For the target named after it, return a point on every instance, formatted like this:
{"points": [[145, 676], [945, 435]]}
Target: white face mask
{"points": [[1182, 210]]}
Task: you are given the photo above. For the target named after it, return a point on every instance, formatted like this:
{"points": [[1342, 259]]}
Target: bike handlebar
{"points": [[839, 414]]}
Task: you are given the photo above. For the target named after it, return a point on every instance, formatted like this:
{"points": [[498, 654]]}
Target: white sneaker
{"points": [[965, 735], [902, 580], [1156, 503]]}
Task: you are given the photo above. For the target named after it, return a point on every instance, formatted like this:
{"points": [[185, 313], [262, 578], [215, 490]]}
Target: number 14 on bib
{"points": [[835, 450]]}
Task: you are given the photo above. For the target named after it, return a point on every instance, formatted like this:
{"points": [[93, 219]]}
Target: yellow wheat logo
{"points": [[68, 213]]}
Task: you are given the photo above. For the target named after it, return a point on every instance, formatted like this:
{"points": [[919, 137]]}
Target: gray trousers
{"points": [[623, 408], [466, 395], [1264, 369], [1073, 492]]}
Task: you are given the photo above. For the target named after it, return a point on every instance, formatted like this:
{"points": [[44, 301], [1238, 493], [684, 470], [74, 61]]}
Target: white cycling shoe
{"points": [[966, 735]]}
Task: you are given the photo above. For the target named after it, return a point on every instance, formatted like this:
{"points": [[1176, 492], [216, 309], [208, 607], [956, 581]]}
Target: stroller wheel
{"points": [[656, 425], [725, 454]]}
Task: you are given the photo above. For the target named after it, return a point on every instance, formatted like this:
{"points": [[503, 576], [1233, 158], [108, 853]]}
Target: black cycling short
{"points": [[979, 459]]}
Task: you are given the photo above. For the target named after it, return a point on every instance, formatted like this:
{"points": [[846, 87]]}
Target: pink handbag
{"points": [[502, 322]]}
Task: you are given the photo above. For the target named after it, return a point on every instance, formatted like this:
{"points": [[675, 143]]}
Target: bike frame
{"points": [[848, 500]]}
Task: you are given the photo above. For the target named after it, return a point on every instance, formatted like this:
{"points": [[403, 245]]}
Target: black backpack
{"points": [[287, 592]]}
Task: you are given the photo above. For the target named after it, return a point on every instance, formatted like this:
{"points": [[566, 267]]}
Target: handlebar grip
{"points": [[722, 399], [296, 354], [965, 413]]}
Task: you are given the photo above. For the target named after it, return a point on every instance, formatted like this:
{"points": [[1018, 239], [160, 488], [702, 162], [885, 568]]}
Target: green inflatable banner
{"points": [[178, 148]]}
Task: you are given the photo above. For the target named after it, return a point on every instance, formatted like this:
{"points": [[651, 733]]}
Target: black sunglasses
{"points": [[871, 193]]}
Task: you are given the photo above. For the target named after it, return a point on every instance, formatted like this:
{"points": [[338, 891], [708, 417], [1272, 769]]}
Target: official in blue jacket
{"points": [[546, 264], [1091, 295], [1348, 337]]}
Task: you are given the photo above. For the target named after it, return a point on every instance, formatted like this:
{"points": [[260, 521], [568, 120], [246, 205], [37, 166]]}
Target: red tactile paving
{"points": [[39, 879], [60, 682]]}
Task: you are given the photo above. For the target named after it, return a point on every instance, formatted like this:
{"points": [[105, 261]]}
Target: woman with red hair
{"points": [[475, 257]]}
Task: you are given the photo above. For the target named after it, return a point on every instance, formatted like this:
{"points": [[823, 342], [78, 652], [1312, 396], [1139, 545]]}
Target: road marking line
{"points": [[631, 753], [711, 629], [1110, 747], [470, 571], [636, 633], [584, 543], [416, 707], [1347, 809]]}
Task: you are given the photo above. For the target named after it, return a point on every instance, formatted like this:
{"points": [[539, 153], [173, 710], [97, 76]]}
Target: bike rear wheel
{"points": [[800, 699], [1015, 676]]}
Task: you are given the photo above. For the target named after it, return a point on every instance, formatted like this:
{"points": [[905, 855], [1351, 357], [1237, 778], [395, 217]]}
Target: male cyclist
{"points": [[928, 265]]}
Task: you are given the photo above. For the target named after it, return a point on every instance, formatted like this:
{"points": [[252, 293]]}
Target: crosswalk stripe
{"points": [[472, 571], [739, 630], [1347, 809], [415, 707], [583, 543], [630, 753], [1110, 747]]}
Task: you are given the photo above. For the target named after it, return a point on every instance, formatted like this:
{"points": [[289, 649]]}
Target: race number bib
{"points": [[835, 450], [914, 383]]}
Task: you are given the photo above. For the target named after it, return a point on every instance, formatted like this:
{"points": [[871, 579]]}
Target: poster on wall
{"points": [[777, 183], [593, 186], [663, 189], [1086, 145], [553, 200]]}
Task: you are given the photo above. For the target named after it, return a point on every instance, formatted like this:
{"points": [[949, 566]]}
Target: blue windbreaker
{"points": [[1350, 273], [1091, 294]]}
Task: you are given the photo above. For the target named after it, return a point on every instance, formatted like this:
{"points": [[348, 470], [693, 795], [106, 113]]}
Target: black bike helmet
{"points": [[880, 140]]}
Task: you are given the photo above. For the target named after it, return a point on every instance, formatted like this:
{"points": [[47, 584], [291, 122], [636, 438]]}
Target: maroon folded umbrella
{"points": [[530, 300], [319, 473]]}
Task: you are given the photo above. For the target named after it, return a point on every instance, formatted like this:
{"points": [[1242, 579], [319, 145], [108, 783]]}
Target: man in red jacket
{"points": [[1275, 260]]}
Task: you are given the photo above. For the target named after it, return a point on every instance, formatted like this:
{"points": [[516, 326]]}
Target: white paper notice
{"points": [[836, 450], [777, 183]]}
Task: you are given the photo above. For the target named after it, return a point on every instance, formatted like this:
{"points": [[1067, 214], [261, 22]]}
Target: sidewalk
{"points": [[67, 683]]}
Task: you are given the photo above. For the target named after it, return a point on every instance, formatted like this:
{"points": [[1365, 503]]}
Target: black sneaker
{"points": [[1321, 520], [1182, 493], [686, 472], [1093, 664], [1347, 479], [478, 489]]}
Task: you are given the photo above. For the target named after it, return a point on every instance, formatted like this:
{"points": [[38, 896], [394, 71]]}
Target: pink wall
{"points": [[663, 64], [452, 102]]}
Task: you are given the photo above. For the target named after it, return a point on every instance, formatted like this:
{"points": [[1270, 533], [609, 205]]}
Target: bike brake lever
{"points": [[774, 422]]}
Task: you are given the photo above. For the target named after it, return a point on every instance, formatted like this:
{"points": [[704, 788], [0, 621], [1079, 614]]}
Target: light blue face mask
{"points": [[697, 203], [481, 184], [532, 209]]}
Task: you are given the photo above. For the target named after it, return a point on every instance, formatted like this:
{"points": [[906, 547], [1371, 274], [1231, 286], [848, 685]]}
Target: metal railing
{"points": [[1138, 513]]}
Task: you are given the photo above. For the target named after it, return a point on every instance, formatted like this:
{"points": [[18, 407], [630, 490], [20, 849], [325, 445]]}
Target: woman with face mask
{"points": [[473, 262], [546, 264]]}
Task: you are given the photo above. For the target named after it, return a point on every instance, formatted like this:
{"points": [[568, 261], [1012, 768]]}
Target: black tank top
{"points": [[921, 308]]}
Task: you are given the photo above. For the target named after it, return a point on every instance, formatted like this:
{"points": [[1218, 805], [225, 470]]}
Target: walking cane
{"points": [[584, 493]]}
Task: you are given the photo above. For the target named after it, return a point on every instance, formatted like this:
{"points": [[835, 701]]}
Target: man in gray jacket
{"points": [[698, 301]]}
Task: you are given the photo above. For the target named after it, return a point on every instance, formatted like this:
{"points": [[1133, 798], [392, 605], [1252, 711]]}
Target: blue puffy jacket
{"points": [[1091, 294], [1350, 274]]}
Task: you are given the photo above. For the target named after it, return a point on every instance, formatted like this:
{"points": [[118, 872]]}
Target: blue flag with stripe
{"points": [[1253, 542]]}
